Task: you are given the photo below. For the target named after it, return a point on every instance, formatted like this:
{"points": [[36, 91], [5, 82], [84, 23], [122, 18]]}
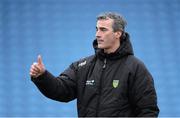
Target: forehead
{"points": [[105, 23]]}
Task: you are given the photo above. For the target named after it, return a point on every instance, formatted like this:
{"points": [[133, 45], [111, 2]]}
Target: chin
{"points": [[100, 47]]}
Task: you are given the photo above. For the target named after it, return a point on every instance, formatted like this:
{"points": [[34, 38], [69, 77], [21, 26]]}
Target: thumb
{"points": [[40, 60]]}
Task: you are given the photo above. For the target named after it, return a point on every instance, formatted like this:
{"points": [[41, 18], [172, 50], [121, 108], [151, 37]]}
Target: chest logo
{"points": [[90, 82], [115, 83], [82, 63]]}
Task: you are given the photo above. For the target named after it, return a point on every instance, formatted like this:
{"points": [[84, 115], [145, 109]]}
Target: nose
{"points": [[98, 34]]}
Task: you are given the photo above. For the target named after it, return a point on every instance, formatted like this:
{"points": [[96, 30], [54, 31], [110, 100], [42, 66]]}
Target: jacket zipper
{"points": [[100, 87]]}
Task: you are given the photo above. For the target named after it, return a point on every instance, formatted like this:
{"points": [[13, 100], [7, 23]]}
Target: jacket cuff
{"points": [[39, 78]]}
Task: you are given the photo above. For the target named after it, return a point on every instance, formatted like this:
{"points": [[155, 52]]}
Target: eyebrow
{"points": [[101, 28]]}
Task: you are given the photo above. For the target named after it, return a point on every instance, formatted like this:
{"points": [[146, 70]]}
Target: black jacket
{"points": [[116, 84]]}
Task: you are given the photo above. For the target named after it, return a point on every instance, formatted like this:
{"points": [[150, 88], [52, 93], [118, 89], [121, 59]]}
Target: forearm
{"points": [[61, 88], [50, 86]]}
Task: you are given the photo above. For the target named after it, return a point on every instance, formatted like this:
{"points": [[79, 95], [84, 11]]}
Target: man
{"points": [[112, 82]]}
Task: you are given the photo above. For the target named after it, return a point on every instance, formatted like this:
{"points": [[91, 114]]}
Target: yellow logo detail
{"points": [[115, 83]]}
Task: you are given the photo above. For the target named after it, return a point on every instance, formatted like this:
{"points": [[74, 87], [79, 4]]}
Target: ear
{"points": [[118, 34]]}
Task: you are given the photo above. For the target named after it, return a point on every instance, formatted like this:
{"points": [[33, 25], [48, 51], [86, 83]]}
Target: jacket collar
{"points": [[125, 49]]}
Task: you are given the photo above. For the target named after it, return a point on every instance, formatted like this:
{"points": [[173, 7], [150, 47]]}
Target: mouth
{"points": [[99, 41]]}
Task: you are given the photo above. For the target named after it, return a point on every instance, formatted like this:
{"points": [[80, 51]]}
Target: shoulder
{"points": [[87, 59], [133, 63], [138, 70], [131, 59], [83, 61]]}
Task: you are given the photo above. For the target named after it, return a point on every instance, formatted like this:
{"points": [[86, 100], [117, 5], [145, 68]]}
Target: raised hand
{"points": [[37, 68]]}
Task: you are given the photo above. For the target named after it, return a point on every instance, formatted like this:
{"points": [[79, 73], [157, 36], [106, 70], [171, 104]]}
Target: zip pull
{"points": [[104, 65]]}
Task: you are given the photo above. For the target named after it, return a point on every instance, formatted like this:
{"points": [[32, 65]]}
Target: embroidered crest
{"points": [[115, 83]]}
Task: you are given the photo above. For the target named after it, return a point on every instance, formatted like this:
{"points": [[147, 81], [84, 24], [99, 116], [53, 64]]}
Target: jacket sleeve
{"points": [[61, 88], [142, 94]]}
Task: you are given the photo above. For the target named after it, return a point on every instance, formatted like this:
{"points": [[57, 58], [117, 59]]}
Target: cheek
{"points": [[110, 39]]}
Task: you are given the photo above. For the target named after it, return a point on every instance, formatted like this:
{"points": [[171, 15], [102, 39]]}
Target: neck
{"points": [[112, 49]]}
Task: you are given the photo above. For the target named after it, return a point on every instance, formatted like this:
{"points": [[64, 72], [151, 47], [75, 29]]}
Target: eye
{"points": [[103, 29]]}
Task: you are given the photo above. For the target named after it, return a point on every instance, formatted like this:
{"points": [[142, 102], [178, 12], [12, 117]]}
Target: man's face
{"points": [[106, 38]]}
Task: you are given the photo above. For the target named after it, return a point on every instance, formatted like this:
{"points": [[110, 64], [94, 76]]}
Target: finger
{"points": [[36, 67], [33, 75], [40, 60], [34, 72]]}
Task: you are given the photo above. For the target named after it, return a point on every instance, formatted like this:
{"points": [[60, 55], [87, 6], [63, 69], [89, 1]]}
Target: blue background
{"points": [[62, 31]]}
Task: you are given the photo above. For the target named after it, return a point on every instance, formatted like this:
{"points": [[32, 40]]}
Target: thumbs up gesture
{"points": [[37, 68]]}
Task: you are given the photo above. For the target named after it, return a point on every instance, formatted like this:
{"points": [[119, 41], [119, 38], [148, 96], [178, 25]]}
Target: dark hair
{"points": [[119, 22]]}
